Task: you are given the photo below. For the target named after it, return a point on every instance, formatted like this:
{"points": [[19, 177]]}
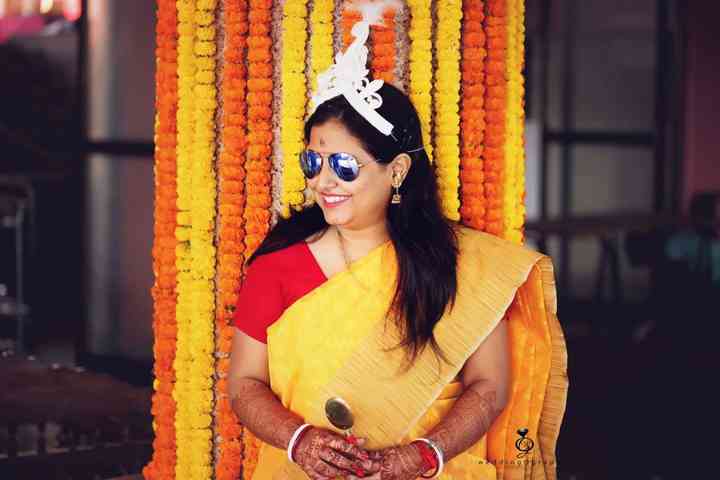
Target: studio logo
{"points": [[524, 444]]}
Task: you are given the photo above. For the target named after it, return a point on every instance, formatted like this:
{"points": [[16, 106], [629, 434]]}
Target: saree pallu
{"points": [[336, 341]]}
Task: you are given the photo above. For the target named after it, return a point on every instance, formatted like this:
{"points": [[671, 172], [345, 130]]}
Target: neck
{"points": [[360, 241]]}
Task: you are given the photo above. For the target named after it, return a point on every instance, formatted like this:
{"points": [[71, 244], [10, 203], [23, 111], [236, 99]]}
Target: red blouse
{"points": [[274, 282]]}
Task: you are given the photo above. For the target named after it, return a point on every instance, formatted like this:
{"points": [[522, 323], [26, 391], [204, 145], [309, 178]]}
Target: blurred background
{"points": [[623, 191]]}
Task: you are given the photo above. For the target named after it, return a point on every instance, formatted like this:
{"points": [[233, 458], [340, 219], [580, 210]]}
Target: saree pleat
{"points": [[335, 341]]}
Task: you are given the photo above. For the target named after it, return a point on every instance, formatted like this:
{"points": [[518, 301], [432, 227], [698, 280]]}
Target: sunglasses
{"points": [[345, 165]]}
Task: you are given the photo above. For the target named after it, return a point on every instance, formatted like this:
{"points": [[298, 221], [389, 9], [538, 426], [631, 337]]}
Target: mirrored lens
{"points": [[345, 166], [310, 163]]}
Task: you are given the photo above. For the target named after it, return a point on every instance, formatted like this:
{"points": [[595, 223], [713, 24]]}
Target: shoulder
{"points": [[278, 260], [476, 245]]}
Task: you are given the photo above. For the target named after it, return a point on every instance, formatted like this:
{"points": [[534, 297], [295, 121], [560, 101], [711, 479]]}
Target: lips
{"points": [[334, 200]]}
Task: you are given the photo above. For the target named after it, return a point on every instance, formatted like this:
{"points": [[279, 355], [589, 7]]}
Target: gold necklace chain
{"points": [[347, 261]]}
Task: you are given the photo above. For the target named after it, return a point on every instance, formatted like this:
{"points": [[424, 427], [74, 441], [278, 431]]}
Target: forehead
{"points": [[332, 136]]}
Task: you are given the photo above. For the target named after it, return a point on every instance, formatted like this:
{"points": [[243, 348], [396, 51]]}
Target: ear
{"points": [[400, 165]]}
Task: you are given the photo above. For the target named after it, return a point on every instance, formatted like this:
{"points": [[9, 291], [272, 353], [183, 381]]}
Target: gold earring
{"points": [[396, 196]]}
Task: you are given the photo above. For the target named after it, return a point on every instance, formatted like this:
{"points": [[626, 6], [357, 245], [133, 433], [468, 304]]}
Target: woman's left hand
{"points": [[401, 462]]}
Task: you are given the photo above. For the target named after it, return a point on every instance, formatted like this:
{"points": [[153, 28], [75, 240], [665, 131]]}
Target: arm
{"points": [[319, 451], [255, 405]]}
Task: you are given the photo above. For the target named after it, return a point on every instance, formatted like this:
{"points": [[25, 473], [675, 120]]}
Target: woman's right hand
{"points": [[323, 455]]}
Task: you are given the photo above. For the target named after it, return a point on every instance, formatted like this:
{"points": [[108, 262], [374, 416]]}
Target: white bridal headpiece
{"points": [[348, 76]]}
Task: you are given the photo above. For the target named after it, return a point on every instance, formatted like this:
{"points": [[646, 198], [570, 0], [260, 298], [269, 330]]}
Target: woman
{"points": [[396, 310]]}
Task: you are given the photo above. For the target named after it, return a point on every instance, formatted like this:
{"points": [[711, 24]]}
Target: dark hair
{"points": [[425, 240]]}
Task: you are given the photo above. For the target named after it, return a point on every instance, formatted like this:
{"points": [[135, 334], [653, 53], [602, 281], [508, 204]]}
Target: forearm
{"points": [[469, 418], [259, 410]]}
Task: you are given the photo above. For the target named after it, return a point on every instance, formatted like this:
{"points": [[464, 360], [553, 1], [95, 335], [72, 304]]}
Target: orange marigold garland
{"points": [[259, 101], [472, 116], [164, 293], [231, 171], [350, 17], [258, 163], [383, 49], [493, 157]]}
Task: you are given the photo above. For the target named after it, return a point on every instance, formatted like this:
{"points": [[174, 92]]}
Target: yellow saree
{"points": [[331, 342]]}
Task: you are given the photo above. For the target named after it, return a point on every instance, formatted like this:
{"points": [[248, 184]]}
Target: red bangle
{"points": [[297, 442], [428, 456]]}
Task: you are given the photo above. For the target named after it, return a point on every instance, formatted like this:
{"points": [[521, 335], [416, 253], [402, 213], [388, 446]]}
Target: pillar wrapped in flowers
{"points": [[233, 80]]}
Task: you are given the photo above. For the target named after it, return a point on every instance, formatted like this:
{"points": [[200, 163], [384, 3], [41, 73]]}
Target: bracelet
{"points": [[295, 439], [430, 462], [438, 454]]}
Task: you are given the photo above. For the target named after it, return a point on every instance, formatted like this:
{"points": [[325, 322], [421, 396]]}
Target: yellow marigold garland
{"points": [[421, 66], [447, 99], [495, 111], [231, 176], [514, 208], [202, 249], [259, 100], [162, 464], [321, 41], [294, 99], [183, 313], [472, 126]]}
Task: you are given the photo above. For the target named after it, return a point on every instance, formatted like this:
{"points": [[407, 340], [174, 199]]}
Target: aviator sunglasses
{"points": [[345, 165]]}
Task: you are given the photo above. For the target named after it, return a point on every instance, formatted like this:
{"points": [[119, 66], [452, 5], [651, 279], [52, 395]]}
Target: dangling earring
{"points": [[396, 196]]}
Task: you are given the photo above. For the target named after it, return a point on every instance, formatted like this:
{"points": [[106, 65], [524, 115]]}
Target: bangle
{"points": [[295, 439], [430, 463], [438, 454]]}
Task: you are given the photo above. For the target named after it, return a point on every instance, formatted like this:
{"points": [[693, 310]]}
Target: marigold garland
{"points": [[183, 312], [383, 50], [496, 111], [514, 147], [294, 99], [447, 98], [421, 67], [472, 114], [350, 17], [231, 176], [258, 164], [202, 249], [321, 41], [259, 100], [481, 169], [162, 464]]}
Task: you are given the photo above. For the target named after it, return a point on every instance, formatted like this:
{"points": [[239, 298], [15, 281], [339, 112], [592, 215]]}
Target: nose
{"points": [[326, 179]]}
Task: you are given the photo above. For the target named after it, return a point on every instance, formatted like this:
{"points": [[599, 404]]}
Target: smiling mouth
{"points": [[332, 200]]}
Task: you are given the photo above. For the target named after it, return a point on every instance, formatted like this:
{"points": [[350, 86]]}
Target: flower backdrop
{"points": [[233, 80]]}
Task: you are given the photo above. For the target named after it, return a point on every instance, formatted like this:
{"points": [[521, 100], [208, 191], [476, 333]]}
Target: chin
{"points": [[336, 218]]}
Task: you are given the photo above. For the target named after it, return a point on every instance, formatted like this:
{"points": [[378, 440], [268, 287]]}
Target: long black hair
{"points": [[425, 240]]}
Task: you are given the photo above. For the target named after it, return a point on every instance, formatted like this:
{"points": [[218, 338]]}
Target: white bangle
{"points": [[438, 453], [294, 438]]}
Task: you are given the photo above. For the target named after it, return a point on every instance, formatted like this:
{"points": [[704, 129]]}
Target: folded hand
{"points": [[324, 455]]}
